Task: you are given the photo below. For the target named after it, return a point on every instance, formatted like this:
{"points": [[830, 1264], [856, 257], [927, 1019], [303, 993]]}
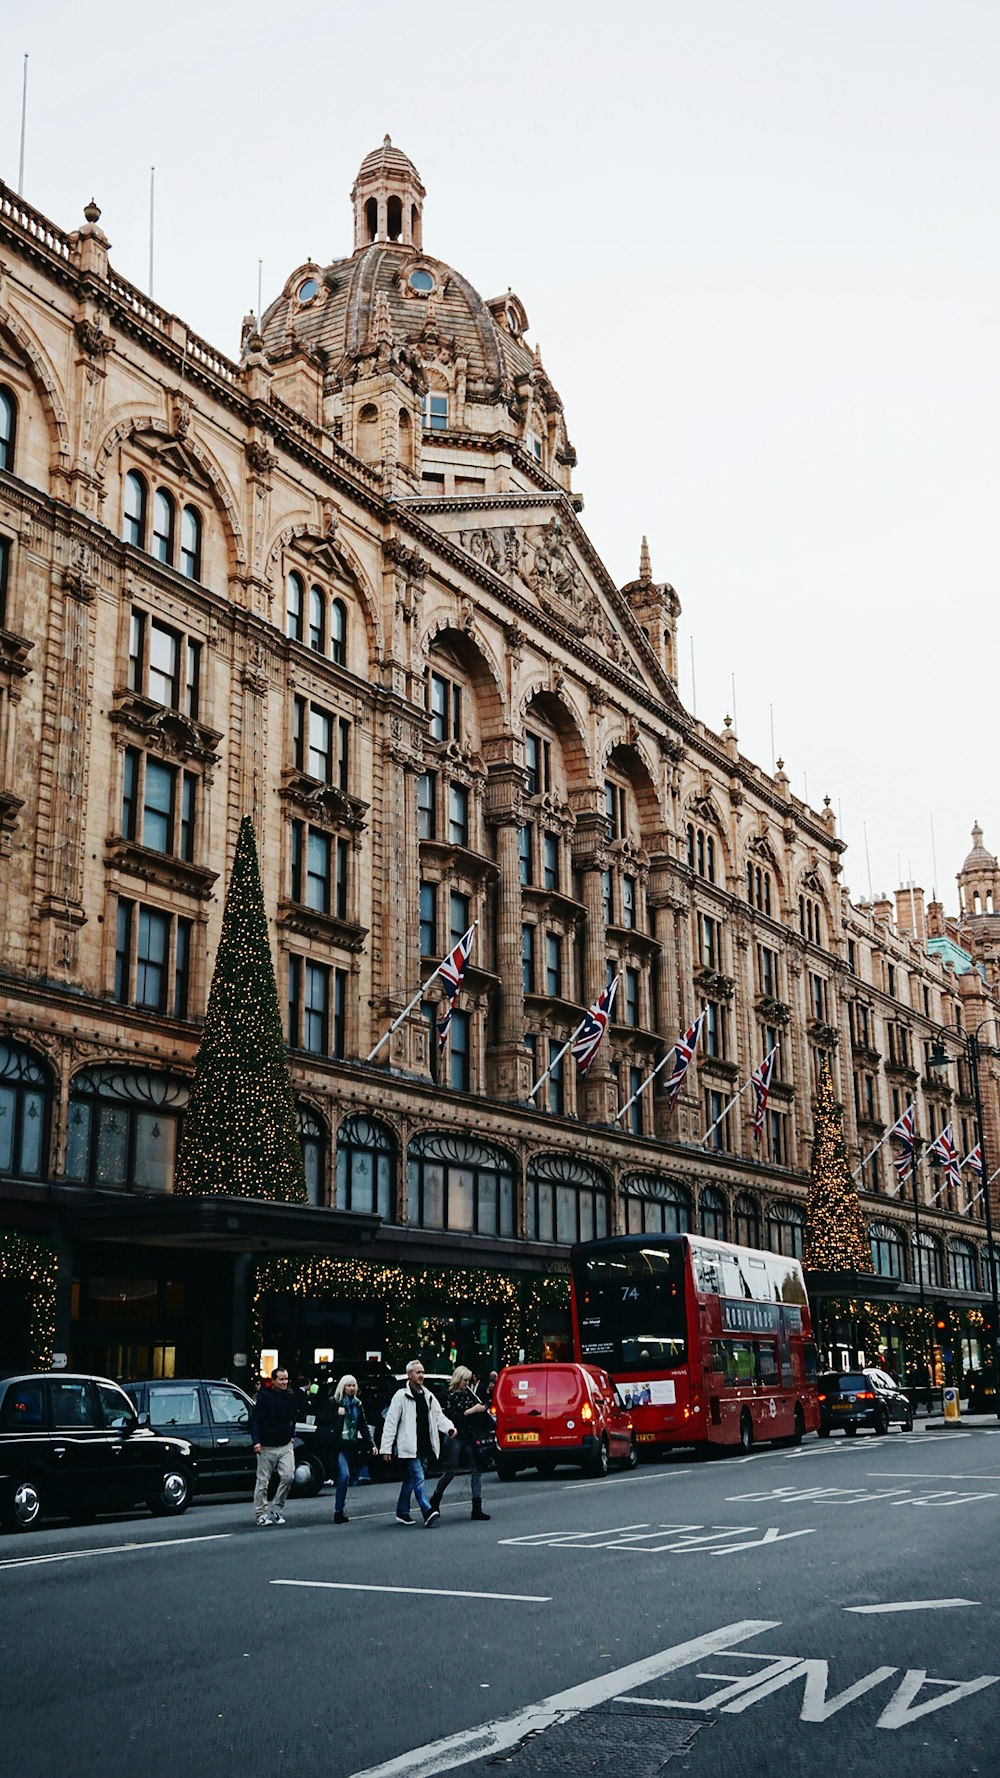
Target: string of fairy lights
{"points": [[404, 1293], [27, 1261], [836, 1230]]}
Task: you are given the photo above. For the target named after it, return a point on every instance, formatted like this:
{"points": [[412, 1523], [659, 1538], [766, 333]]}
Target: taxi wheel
{"points": [[173, 1496], [746, 1431], [882, 1423], [309, 1478], [22, 1504], [851, 1431], [907, 1425]]}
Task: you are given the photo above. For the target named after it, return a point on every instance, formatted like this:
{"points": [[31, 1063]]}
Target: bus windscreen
{"points": [[631, 1308]]}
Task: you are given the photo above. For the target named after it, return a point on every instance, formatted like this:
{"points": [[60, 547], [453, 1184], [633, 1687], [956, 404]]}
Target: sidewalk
{"points": [[938, 1423]]}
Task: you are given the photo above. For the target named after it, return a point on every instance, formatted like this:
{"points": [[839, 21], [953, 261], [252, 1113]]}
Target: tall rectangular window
{"points": [[343, 754], [182, 968], [528, 959], [557, 1079], [318, 851], [164, 665], [320, 758], [295, 1002], [631, 986], [428, 920], [459, 1059], [188, 793], [537, 763], [714, 1106], [316, 1009], [137, 651], [635, 1080], [340, 1013], [123, 952], [426, 805], [458, 912], [629, 901], [458, 815], [130, 792], [767, 970], [550, 860], [4, 577], [606, 896], [151, 959], [524, 854], [776, 1120], [553, 965], [342, 902], [445, 706], [158, 806], [434, 412]]}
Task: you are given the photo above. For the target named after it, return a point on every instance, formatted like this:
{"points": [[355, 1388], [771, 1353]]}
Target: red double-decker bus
{"points": [[709, 1343]]}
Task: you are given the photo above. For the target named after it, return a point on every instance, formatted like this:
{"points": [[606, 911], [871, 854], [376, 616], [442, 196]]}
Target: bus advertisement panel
{"points": [[708, 1343]]}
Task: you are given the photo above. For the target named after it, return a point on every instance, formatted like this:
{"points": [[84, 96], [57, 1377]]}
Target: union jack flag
{"points": [[684, 1049], [944, 1150], [587, 1041], [974, 1159], [760, 1080], [452, 972], [905, 1129]]}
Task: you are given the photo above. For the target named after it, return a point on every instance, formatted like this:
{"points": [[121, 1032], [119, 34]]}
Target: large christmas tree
{"points": [[241, 1135], [836, 1233]]}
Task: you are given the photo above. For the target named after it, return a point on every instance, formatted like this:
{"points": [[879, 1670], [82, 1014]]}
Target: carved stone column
{"points": [[509, 1062], [63, 767], [396, 923]]}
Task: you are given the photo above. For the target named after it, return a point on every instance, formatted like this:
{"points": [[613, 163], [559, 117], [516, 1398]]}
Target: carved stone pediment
{"points": [[170, 732], [500, 548], [323, 804], [458, 753], [10, 809], [553, 575], [827, 1036], [772, 1011], [155, 867], [14, 652], [170, 451], [322, 928], [713, 983]]}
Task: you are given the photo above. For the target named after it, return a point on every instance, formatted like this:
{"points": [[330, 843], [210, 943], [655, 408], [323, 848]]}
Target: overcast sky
{"points": [[757, 243]]}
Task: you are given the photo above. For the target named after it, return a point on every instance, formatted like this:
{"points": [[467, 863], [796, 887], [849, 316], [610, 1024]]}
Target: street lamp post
{"points": [[940, 1059], [914, 1158]]}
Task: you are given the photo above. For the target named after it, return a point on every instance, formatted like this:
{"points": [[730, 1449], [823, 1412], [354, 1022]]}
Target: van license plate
{"points": [[523, 1438], [645, 1438]]}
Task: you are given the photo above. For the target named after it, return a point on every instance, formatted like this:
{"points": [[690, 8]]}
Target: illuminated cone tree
{"points": [[241, 1136], [836, 1231]]}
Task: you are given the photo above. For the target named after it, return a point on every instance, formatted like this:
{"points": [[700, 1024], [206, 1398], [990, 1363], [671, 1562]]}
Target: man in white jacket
{"points": [[414, 1424]]}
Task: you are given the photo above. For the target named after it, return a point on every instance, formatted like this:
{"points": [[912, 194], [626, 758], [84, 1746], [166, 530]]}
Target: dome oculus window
{"points": [[308, 289], [421, 282]]}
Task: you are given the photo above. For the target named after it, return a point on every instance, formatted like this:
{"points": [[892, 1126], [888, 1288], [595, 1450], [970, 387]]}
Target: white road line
{"points": [[112, 1549], [613, 1481], [933, 1475], [349, 1586], [506, 1731], [909, 1605]]}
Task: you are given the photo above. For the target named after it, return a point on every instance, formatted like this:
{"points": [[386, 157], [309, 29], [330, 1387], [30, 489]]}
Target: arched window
{"points": [[366, 1168], [369, 447], [135, 509], [458, 1183], [394, 218], [124, 1125], [746, 1221], [338, 633], [163, 526], [758, 887], [984, 1267], [713, 1217], [295, 607], [404, 445], [371, 218], [655, 1206], [190, 554], [887, 1250], [786, 1229], [8, 426], [925, 1256], [317, 619], [312, 1135], [567, 1200], [25, 1091], [962, 1266]]}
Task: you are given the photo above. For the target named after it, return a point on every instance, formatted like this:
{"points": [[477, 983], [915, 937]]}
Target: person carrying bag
{"points": [[475, 1430]]}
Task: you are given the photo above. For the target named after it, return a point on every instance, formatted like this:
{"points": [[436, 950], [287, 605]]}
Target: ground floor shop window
{"points": [[786, 1230], [366, 1168], [567, 1200], [713, 1215], [24, 1113], [457, 1183], [655, 1206], [124, 1126], [887, 1250]]}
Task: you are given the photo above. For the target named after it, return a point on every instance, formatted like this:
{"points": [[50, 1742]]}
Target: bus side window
{"points": [[767, 1364]]}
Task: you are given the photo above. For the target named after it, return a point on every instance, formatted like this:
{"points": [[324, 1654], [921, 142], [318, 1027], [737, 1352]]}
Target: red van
{"points": [[560, 1413]]}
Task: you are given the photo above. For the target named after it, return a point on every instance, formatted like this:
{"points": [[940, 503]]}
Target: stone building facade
{"points": [[342, 585]]}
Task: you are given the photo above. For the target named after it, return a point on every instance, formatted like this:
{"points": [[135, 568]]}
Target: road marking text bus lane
{"points": [[669, 1540], [860, 1497], [916, 1694]]}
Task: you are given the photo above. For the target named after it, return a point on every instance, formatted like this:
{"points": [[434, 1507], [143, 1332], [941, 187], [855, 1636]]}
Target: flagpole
{"points": [[725, 1113], [971, 1205], [421, 991], [557, 1059], [647, 1082], [893, 1132]]}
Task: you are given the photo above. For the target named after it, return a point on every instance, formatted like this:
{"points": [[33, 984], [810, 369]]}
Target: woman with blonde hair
{"points": [[352, 1440], [472, 1417]]}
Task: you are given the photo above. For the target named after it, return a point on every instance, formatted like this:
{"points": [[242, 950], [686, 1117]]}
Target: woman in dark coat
{"points": [[471, 1417], [352, 1440]]}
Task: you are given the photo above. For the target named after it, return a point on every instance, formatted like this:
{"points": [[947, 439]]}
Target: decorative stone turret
{"points": [[388, 200], [657, 608]]}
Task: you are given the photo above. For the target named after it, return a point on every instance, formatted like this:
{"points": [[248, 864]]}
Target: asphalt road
{"points": [[829, 1610]]}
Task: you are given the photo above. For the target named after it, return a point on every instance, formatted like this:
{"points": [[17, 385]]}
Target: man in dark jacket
{"points": [[272, 1424]]}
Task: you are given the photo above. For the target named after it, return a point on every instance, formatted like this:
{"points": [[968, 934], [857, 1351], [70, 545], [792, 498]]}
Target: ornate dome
{"points": [[387, 159], [979, 859]]}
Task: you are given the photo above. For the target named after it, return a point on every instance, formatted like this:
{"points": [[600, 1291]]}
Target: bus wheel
{"points": [[746, 1431], [800, 1426]]}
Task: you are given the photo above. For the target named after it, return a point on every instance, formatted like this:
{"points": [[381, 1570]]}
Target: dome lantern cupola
{"points": [[388, 200]]}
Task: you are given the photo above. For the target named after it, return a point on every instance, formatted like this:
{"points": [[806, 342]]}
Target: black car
{"points": [[74, 1445], [214, 1416], [849, 1399]]}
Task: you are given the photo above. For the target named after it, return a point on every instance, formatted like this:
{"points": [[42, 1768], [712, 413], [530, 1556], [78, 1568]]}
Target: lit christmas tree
{"points": [[836, 1232], [241, 1136]]}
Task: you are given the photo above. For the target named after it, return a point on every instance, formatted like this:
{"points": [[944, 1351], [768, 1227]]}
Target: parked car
{"points": [[560, 1413], [74, 1445], [849, 1399], [214, 1416]]}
